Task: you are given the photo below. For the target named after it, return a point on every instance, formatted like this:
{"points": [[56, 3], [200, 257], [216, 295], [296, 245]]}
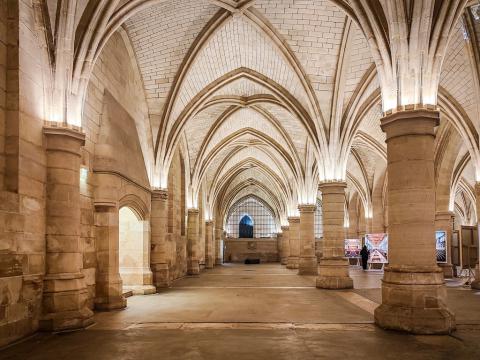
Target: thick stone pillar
{"points": [[108, 287], [218, 246], [285, 245], [333, 267], [158, 225], [279, 245], [414, 296], [444, 222], [476, 283], [64, 305], [308, 264], [193, 263], [294, 241], [209, 246]]}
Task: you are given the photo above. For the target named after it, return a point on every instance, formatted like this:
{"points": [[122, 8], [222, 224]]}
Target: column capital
{"points": [[332, 187], [410, 122], [105, 206], [307, 208], [293, 219], [63, 137], [447, 215], [159, 194], [209, 222], [285, 227], [193, 211]]}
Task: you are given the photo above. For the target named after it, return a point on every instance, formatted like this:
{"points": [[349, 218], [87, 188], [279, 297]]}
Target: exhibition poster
{"points": [[441, 246], [377, 244], [352, 248]]}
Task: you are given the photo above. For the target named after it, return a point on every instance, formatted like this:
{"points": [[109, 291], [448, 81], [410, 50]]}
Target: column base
{"points": [[218, 261], [292, 262], [161, 276], [65, 303], [193, 267], [67, 320], [447, 270], [308, 266], [209, 264], [111, 303], [414, 300], [284, 261], [140, 289], [333, 274]]}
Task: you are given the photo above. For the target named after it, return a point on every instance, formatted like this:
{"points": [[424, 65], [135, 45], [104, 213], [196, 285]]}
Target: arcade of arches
{"points": [[139, 139]]}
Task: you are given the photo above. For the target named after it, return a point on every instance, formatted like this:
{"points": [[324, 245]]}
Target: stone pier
{"points": [[64, 305], [285, 245], [158, 224], [414, 296], [308, 264], [333, 267], [294, 241], [193, 263]]}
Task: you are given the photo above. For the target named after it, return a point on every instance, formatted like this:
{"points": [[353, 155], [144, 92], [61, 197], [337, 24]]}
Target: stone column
{"points": [[476, 283], [209, 257], [218, 246], [193, 263], [308, 260], [279, 246], [108, 287], [158, 225], [444, 222], [333, 267], [64, 291], [414, 296], [285, 245], [294, 241]]}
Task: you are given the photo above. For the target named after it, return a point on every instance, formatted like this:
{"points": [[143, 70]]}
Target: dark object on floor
{"points": [[252, 261]]}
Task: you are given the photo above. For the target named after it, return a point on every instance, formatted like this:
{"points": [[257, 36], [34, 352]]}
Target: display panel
{"points": [[377, 245], [352, 248], [441, 246]]}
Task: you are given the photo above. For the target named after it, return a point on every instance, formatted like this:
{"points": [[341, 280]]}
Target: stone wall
{"points": [[237, 250], [22, 170]]}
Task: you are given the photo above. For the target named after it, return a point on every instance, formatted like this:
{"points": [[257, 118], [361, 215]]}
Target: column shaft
{"points": [[64, 290], [218, 246], [193, 263], [294, 241], [308, 264], [209, 247], [108, 287], [333, 267], [414, 297], [158, 225], [285, 245]]}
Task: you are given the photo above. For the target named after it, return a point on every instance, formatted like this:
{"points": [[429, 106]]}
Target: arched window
{"points": [[257, 211], [318, 220], [245, 228]]}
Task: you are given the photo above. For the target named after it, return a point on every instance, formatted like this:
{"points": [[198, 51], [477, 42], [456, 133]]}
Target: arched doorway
{"points": [[134, 253], [245, 227]]}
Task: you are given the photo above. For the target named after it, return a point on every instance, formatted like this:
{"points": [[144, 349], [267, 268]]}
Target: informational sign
{"points": [[377, 245], [352, 248], [441, 246]]}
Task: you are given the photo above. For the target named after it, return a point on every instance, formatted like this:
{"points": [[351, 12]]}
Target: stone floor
{"points": [[257, 312]]}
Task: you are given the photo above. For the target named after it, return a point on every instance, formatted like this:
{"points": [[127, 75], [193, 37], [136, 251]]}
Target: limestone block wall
{"points": [[237, 250], [22, 170]]}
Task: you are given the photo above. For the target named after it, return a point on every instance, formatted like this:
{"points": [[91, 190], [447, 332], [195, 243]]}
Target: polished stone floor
{"points": [[257, 312]]}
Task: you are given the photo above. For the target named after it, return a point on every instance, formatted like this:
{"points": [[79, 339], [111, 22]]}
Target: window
{"points": [[318, 220], [252, 212]]}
